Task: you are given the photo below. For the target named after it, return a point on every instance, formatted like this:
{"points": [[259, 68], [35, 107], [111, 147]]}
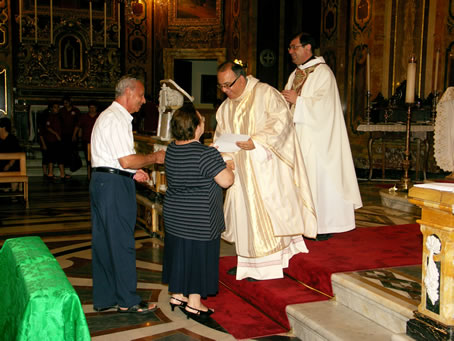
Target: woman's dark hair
{"points": [[5, 122], [184, 122]]}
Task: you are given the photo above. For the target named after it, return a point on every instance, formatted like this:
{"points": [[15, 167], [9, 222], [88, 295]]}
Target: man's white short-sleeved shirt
{"points": [[112, 137]]}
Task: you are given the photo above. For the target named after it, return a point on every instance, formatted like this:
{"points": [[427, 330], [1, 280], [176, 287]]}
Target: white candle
{"points": [[105, 24], [51, 24], [36, 21], [91, 23], [411, 80], [118, 25], [20, 21], [437, 58], [368, 71]]}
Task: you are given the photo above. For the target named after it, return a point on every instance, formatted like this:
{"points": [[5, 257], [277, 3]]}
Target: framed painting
{"points": [[194, 13]]}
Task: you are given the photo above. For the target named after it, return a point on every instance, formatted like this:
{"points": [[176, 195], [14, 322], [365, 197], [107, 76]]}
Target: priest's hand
{"points": [[141, 176], [246, 145], [290, 96]]}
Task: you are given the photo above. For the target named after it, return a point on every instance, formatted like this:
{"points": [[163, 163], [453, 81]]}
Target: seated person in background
{"points": [[193, 216], [85, 126], [8, 144], [54, 142]]}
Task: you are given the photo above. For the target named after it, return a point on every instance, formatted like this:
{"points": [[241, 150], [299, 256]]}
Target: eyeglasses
{"points": [[294, 47], [226, 85]]}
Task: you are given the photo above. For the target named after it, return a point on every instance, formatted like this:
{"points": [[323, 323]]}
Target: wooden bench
{"points": [[16, 176]]}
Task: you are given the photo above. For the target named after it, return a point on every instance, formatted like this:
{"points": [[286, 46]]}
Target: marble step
{"points": [[333, 321], [387, 307]]}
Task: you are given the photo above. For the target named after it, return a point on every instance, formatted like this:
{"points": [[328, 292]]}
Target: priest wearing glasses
{"points": [[269, 207], [314, 100]]}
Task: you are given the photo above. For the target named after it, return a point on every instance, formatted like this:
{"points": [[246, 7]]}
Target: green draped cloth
{"points": [[37, 302]]}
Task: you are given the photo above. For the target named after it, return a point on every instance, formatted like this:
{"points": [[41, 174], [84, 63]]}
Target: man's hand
{"points": [[290, 96], [159, 156], [246, 145], [141, 176]]}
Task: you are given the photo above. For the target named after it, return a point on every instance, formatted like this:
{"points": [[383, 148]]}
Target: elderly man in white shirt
{"points": [[115, 166]]}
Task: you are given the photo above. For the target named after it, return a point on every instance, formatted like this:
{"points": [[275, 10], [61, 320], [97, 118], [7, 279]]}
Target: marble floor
{"points": [[59, 213]]}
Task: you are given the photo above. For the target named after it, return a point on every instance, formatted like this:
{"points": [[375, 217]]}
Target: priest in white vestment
{"points": [[269, 208], [319, 123]]}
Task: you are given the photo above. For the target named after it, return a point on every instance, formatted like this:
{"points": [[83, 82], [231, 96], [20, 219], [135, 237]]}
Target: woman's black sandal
{"points": [[181, 303], [198, 314], [141, 308]]}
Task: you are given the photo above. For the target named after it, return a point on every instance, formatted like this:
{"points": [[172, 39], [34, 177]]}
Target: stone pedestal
{"points": [[434, 319]]}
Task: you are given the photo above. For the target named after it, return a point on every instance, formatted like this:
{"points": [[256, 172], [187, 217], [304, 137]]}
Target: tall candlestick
{"points": [[437, 58], [411, 80], [36, 21], [51, 24], [105, 24], [368, 71], [118, 25], [91, 23], [20, 21]]}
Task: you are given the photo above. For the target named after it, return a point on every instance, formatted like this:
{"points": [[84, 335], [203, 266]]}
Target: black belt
{"points": [[113, 171]]}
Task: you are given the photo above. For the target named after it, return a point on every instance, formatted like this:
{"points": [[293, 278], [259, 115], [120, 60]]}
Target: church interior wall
{"points": [[68, 53]]}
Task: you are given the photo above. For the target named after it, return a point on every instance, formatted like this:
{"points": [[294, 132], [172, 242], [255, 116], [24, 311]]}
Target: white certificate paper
{"points": [[226, 142]]}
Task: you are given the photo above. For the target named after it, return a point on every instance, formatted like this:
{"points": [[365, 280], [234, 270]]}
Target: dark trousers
{"points": [[113, 216]]}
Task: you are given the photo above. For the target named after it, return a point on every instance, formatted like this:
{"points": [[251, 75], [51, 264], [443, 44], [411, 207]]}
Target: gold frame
{"points": [[4, 110], [200, 21], [171, 54]]}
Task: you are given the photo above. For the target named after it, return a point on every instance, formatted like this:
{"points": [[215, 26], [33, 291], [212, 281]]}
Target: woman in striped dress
{"points": [[193, 214]]}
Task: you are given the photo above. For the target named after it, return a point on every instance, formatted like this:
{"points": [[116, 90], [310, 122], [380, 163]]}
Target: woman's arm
{"points": [[225, 178]]}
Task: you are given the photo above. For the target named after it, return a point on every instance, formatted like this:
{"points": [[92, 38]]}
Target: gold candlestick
{"points": [[405, 182]]}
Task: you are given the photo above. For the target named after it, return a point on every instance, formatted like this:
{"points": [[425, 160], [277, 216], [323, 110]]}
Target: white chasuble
{"points": [[270, 203], [320, 127]]}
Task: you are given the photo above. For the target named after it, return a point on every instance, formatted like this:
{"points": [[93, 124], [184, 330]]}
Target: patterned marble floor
{"points": [[59, 213]]}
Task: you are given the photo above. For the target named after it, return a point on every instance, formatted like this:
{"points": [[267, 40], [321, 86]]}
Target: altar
{"points": [[434, 318], [386, 133]]}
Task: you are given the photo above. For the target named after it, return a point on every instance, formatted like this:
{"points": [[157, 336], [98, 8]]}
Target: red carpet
{"points": [[239, 318], [271, 296], [361, 249]]}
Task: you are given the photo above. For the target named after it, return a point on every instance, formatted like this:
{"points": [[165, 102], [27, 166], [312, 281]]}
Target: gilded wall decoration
{"points": [[4, 18], [74, 49], [195, 23], [194, 13], [3, 91], [137, 32], [194, 37], [70, 53], [362, 13], [330, 18], [236, 29], [450, 23], [359, 86]]}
